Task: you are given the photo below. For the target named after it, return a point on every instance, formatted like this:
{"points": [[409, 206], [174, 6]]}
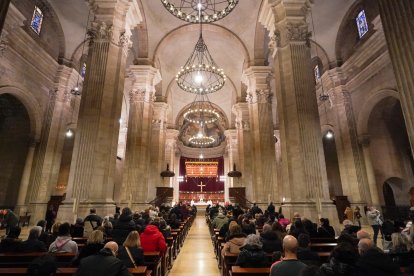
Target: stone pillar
{"points": [[233, 152], [91, 178], [170, 152], [262, 134], [137, 156], [397, 18], [48, 154], [21, 206], [350, 156], [4, 7], [245, 147], [303, 166], [226, 161], [157, 147], [364, 141]]}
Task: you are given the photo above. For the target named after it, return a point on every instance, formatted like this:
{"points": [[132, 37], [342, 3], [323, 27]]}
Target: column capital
{"points": [[257, 80], [159, 115], [241, 111], [144, 76], [66, 79]]}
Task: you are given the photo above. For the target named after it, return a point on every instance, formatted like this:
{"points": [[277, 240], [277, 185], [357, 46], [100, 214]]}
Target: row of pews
{"points": [[156, 264], [323, 246]]}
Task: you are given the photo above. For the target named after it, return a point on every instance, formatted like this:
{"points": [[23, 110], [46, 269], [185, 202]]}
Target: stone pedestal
{"points": [[91, 179], [397, 18]]}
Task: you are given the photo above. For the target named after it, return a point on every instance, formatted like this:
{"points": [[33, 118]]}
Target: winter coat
{"points": [[234, 242], [326, 232], [219, 221], [271, 242], [153, 240], [64, 244], [252, 256], [76, 230], [373, 217], [103, 263], [88, 250], [336, 268], [122, 228], [136, 252], [374, 262], [10, 245], [32, 245]]}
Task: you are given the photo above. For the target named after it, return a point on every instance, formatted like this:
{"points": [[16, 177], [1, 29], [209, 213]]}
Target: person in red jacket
{"points": [[153, 240]]}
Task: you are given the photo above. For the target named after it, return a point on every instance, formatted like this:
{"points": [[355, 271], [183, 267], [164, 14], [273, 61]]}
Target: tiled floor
{"points": [[197, 254]]}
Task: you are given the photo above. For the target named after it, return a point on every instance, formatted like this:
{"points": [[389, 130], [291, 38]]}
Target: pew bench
{"points": [[247, 271], [68, 271], [24, 259]]}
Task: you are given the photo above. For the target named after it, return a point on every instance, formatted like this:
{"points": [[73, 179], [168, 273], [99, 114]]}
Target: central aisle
{"points": [[197, 254]]}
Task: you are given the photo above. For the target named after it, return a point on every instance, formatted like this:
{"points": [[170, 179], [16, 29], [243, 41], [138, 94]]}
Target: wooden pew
{"points": [[322, 247], [244, 271], [24, 259], [67, 271], [153, 260]]}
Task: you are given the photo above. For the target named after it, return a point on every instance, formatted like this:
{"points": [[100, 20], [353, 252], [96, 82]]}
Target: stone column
{"points": [[303, 166], [261, 126], [91, 178], [157, 147], [137, 156], [245, 147], [233, 152], [364, 141], [226, 161], [21, 206], [4, 7], [48, 154], [397, 18], [170, 152]]}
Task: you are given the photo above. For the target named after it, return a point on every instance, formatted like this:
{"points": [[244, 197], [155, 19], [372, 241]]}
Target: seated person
{"points": [[76, 230], [235, 239], [219, 221], [93, 219], [93, 245], [399, 243], [248, 227], [11, 243], [131, 253], [153, 240], [45, 237], [270, 240], [297, 228], [325, 230], [252, 254], [103, 263], [123, 226], [304, 253], [63, 242], [289, 265], [342, 261], [33, 244]]}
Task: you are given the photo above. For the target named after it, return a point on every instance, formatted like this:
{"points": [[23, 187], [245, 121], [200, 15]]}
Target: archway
{"points": [[14, 144], [390, 152]]}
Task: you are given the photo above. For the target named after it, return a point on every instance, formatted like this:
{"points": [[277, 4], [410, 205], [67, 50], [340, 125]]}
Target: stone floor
{"points": [[197, 255]]}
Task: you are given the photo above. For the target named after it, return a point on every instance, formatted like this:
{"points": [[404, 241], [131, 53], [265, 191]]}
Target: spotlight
{"points": [[329, 134], [201, 156], [69, 133]]}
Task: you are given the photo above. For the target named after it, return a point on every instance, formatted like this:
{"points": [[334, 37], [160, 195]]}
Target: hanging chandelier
{"points": [[188, 10], [200, 74], [201, 111], [201, 140]]}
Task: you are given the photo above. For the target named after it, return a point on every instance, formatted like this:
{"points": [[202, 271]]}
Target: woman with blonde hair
{"points": [[131, 252], [94, 244], [400, 243]]}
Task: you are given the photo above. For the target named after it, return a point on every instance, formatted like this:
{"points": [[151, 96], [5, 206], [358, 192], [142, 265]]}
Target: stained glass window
{"points": [[37, 20], [83, 70], [317, 73], [362, 24]]}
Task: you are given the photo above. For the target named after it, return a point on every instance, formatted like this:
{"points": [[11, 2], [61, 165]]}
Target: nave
{"points": [[197, 254]]}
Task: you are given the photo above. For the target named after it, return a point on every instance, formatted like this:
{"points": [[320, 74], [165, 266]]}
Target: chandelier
{"points": [[201, 140], [201, 112], [188, 10]]}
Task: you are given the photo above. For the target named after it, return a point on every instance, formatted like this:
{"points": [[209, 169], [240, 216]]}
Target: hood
{"points": [[106, 252], [61, 240], [221, 216], [151, 229], [239, 241], [269, 235]]}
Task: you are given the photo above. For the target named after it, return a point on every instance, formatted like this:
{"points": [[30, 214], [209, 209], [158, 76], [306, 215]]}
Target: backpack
{"points": [[42, 266]]}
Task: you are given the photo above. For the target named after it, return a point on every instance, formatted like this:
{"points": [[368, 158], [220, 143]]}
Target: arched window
{"points": [[37, 20], [317, 73], [362, 24]]}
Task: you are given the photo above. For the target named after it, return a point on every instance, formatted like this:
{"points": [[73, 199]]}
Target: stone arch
{"points": [[347, 40], [32, 106], [368, 106], [208, 27]]}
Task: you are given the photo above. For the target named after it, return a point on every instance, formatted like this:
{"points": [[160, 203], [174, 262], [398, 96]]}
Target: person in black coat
{"points": [[341, 262], [103, 263], [248, 227], [11, 243], [304, 253], [325, 230], [270, 240], [93, 245], [77, 229], [252, 254], [271, 208], [173, 221], [133, 244], [93, 219], [33, 244], [297, 229], [123, 226]]}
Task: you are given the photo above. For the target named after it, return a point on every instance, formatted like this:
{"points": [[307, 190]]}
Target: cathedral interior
{"points": [[308, 104]]}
